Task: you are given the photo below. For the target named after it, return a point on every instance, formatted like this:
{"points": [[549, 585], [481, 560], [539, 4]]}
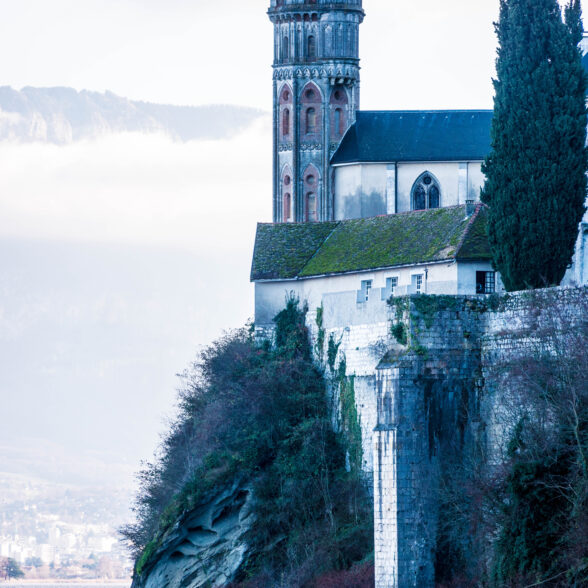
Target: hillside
{"points": [[64, 115]]}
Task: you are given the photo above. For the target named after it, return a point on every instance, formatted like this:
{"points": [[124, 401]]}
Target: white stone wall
{"points": [[371, 189], [362, 191], [466, 276], [438, 278], [364, 334]]}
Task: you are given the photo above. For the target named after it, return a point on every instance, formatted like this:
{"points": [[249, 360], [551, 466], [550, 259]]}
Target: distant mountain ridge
{"points": [[64, 115]]}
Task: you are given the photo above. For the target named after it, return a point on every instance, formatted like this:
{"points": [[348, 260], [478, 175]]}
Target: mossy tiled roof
{"points": [[282, 250], [289, 251]]}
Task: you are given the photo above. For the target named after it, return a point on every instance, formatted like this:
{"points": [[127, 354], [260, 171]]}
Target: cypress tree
{"points": [[536, 170]]}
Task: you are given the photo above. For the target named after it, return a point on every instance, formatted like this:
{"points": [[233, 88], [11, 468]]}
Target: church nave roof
{"points": [[418, 135]]}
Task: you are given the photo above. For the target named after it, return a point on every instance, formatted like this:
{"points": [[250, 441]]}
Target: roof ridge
{"points": [[469, 226], [403, 212], [320, 246], [426, 111]]}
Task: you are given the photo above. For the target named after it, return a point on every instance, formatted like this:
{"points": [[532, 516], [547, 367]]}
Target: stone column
{"points": [[405, 481]]}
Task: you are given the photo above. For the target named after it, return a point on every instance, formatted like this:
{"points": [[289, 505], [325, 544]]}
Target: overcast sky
{"points": [[120, 256], [415, 53]]}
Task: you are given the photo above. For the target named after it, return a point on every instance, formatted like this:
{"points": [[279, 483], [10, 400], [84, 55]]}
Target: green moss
{"points": [[350, 422], [388, 241], [475, 243], [282, 250], [428, 306], [286, 251], [149, 550], [332, 350], [399, 327], [399, 333]]}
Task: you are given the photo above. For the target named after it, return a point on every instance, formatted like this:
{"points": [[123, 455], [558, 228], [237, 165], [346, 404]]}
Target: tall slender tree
{"points": [[536, 170]]}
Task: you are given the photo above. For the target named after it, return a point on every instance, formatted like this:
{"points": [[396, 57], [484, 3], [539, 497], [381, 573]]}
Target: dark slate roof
{"points": [[419, 135], [290, 251]]}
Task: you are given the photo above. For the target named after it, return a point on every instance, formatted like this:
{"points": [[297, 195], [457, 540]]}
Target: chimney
{"points": [[470, 208]]}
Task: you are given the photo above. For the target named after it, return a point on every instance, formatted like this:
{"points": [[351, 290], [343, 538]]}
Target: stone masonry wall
{"points": [[426, 386]]}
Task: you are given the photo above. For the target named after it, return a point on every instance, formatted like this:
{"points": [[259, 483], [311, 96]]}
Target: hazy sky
{"points": [[120, 256], [415, 53]]}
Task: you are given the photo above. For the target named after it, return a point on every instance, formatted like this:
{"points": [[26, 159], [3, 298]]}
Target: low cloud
{"points": [[119, 257], [135, 188]]}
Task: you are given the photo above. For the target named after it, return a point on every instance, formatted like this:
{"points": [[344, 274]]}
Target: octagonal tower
{"points": [[316, 95]]}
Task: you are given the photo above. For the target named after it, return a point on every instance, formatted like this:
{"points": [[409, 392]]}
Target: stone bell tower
{"points": [[316, 95]]}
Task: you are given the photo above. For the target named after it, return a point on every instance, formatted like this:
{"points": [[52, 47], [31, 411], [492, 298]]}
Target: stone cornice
{"points": [[298, 11], [344, 71]]}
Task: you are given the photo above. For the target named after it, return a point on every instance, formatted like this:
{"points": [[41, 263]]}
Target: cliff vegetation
{"points": [[256, 418]]}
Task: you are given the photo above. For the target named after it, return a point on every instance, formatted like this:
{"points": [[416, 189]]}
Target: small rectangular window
{"points": [[363, 295], [417, 283], [391, 284], [485, 282], [366, 286], [490, 282], [390, 289]]}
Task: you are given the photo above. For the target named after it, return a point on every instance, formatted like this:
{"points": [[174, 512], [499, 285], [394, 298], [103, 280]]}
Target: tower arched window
{"points": [[339, 102], [286, 122], [311, 212], [339, 121], [426, 193], [311, 47], [310, 120], [285, 48], [287, 207]]}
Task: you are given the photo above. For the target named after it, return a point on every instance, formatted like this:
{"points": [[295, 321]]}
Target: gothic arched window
{"points": [[286, 122], [311, 47], [286, 48], [311, 121], [426, 193]]}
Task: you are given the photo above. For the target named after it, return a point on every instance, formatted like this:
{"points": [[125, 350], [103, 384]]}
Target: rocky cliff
{"points": [[204, 548]]}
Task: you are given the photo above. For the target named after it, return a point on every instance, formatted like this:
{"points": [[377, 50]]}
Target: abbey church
{"points": [[369, 207], [409, 180]]}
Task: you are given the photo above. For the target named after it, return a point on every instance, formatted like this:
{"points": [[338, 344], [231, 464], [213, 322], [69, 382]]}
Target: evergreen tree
{"points": [[536, 171]]}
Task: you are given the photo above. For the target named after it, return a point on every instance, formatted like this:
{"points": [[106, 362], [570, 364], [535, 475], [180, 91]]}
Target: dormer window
{"points": [[426, 193]]}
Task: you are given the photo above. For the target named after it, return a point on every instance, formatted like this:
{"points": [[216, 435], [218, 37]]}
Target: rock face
{"points": [[206, 547], [64, 115]]}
